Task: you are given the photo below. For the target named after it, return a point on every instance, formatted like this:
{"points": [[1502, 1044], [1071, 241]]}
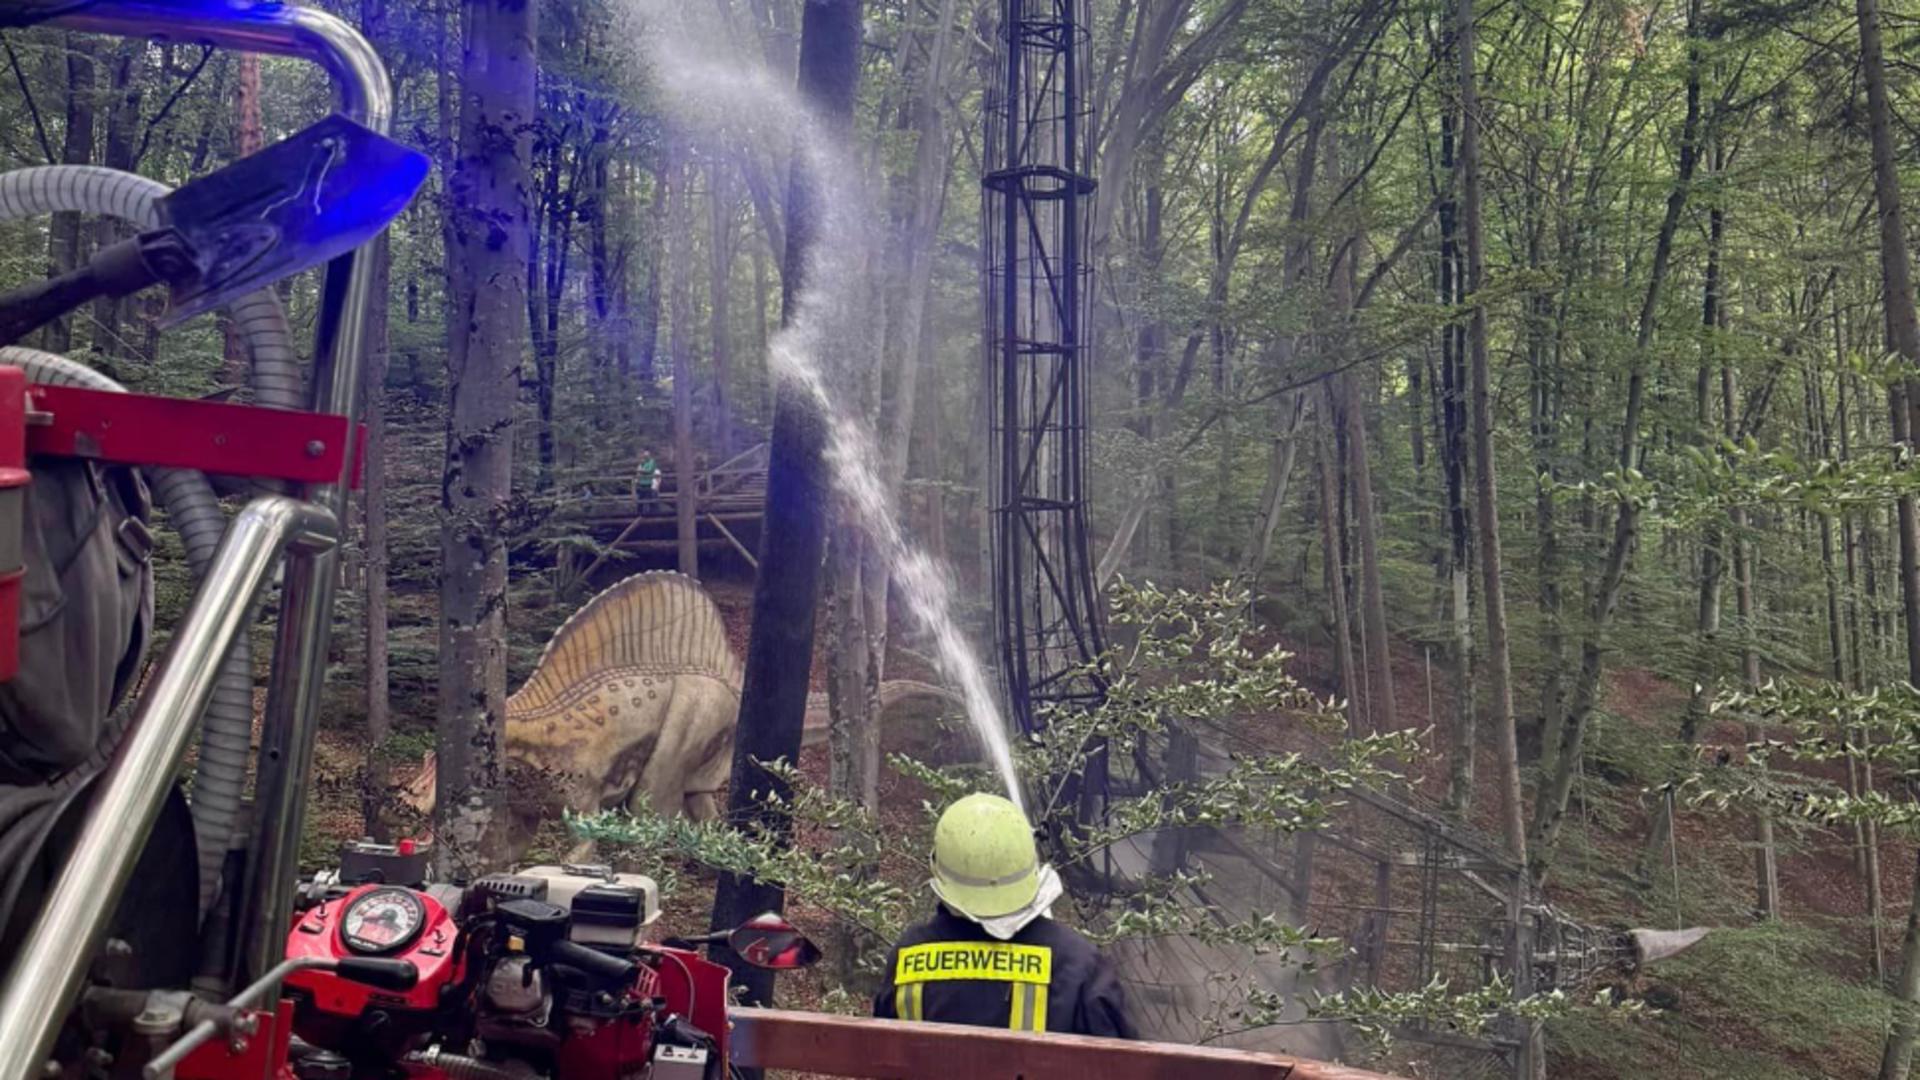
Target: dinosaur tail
{"points": [[893, 692], [418, 793]]}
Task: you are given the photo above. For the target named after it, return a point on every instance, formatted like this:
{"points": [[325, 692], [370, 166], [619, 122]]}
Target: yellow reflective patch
{"points": [[996, 961], [1028, 1011], [906, 1002]]}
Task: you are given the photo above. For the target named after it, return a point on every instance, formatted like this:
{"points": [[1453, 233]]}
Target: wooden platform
{"points": [[729, 499]]}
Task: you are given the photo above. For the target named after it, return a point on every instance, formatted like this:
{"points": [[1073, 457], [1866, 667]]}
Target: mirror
{"points": [[769, 941]]}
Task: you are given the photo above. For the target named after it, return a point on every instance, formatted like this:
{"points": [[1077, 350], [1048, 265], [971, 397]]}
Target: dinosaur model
{"points": [[634, 701]]}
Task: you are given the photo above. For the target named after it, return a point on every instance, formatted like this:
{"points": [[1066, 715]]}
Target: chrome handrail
{"points": [[48, 970], [54, 959], [366, 94]]}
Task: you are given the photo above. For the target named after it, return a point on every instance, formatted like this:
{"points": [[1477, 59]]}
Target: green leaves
{"points": [[1825, 722]]}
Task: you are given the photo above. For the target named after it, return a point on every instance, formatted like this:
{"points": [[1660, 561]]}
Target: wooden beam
{"points": [[735, 541], [609, 549], [892, 1050]]}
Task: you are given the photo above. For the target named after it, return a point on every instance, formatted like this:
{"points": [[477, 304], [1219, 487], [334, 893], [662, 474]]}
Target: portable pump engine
{"points": [[542, 973]]}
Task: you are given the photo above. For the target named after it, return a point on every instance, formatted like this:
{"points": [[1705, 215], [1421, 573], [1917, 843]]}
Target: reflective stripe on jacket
{"points": [[1048, 978]]}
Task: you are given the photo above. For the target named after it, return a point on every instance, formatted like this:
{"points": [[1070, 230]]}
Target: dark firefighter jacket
{"points": [[949, 970]]}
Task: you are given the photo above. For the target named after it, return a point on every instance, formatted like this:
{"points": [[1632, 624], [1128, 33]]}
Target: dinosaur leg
{"points": [[710, 778], [713, 757], [662, 783]]}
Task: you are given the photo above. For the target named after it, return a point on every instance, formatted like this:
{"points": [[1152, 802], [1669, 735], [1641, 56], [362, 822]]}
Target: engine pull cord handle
{"points": [[372, 971]]}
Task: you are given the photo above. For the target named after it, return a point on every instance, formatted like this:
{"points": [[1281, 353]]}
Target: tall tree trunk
{"points": [[76, 148], [1563, 760], [921, 200], [1373, 607], [787, 590], [1453, 457], [1898, 1055], [720, 303], [491, 212], [1336, 574], [1766, 871], [600, 266], [1273, 498], [1861, 671], [1493, 597], [686, 473], [1713, 562], [373, 510], [247, 140], [649, 328], [1903, 334], [762, 293], [1150, 348], [551, 265], [123, 120], [848, 661]]}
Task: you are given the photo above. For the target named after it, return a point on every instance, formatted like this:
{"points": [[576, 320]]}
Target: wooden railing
{"points": [[892, 1050]]}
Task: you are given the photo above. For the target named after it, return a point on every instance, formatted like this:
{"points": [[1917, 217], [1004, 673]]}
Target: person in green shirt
{"points": [[646, 482]]}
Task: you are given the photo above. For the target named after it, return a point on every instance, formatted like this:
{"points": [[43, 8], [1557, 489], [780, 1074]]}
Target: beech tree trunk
{"points": [[491, 212], [75, 149], [373, 509], [1336, 575], [1373, 608], [1561, 762], [123, 120], [780, 650], [1493, 595], [680, 264], [720, 302], [1273, 498], [248, 140], [648, 331], [1903, 334], [1453, 457]]}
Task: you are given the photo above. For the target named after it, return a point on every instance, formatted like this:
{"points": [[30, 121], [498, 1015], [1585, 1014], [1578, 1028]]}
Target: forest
{"points": [[1517, 396]]}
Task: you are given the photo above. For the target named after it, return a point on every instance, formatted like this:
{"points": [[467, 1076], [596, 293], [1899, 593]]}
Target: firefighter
{"points": [[992, 956]]}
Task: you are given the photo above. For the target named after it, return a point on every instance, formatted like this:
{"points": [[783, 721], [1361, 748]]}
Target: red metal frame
{"points": [[179, 433]]}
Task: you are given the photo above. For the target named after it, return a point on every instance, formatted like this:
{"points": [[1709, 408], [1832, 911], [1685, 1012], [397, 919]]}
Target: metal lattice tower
{"points": [[1037, 283]]}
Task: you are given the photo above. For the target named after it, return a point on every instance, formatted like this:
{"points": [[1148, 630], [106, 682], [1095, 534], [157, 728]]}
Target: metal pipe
{"points": [[162, 1066], [358, 75], [56, 953], [304, 634]]}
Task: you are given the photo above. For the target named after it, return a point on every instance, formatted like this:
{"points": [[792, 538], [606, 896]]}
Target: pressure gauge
{"points": [[383, 920]]}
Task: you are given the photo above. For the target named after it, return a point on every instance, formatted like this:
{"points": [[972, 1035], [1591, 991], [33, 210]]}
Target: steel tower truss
{"points": [[1037, 284]]}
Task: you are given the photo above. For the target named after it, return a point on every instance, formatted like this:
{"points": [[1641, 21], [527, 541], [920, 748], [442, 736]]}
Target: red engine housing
{"points": [[691, 988], [318, 932]]}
